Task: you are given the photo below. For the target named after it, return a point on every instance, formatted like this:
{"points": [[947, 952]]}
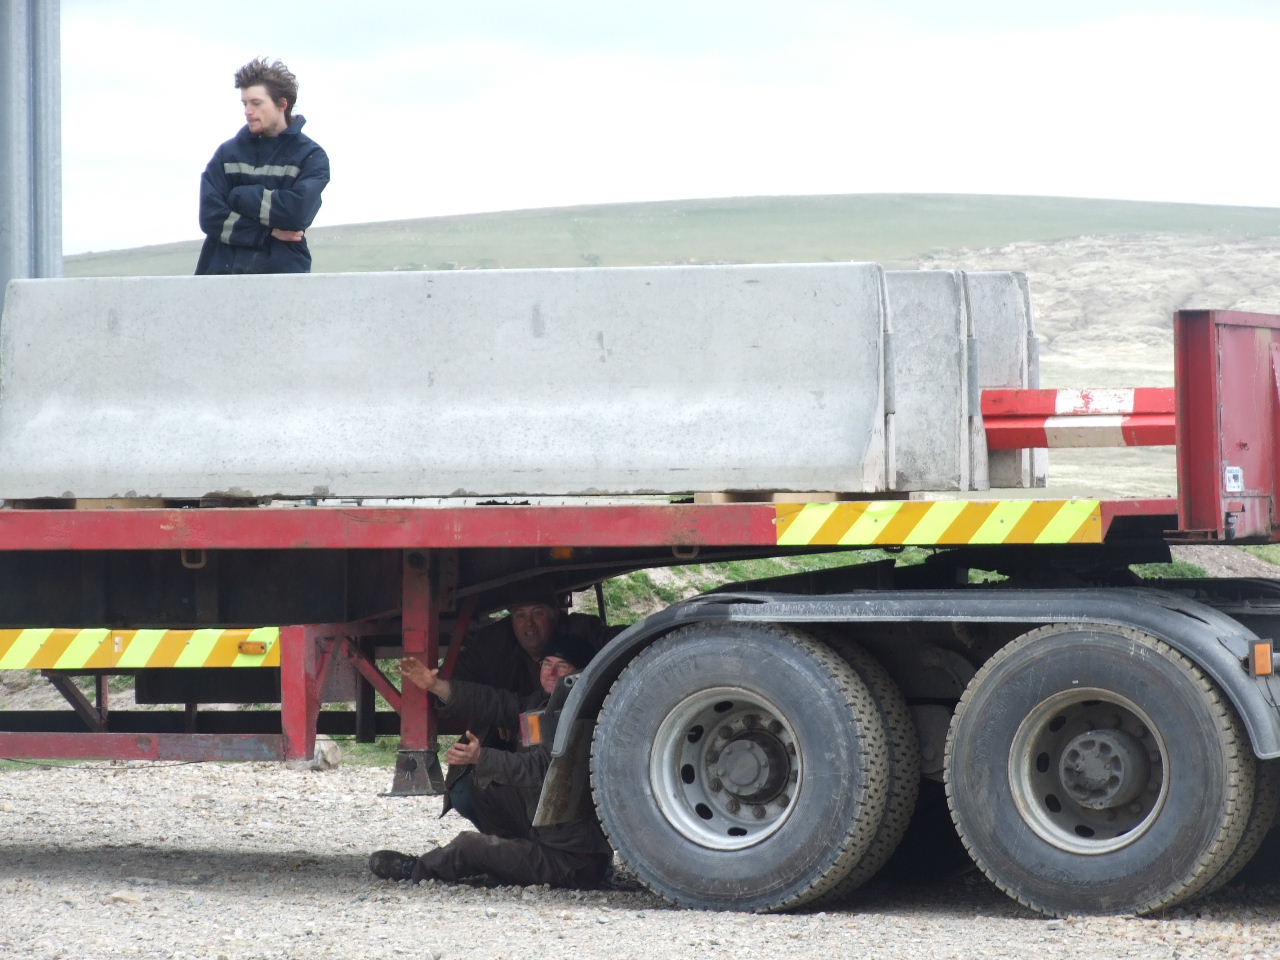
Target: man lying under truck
{"points": [[505, 790], [507, 654]]}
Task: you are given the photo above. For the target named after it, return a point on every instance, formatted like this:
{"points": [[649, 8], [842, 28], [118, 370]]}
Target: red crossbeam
{"points": [[1109, 417]]}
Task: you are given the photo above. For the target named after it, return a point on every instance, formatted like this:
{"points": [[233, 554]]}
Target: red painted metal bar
{"points": [[420, 639], [460, 626], [1025, 433], [306, 654], [740, 524], [1117, 417], [1139, 507], [1095, 401], [1194, 339], [299, 698], [370, 672], [145, 746], [1227, 369]]}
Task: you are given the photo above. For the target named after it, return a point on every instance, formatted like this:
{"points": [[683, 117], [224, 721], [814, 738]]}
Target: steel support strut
{"points": [[418, 770], [306, 653]]}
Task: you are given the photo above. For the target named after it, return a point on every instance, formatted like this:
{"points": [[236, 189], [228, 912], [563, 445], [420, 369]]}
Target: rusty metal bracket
{"points": [[95, 718]]}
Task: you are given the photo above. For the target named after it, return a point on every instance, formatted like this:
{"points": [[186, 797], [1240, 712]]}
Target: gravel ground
{"points": [[256, 861]]}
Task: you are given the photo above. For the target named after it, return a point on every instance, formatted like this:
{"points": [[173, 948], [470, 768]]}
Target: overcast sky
{"points": [[429, 108]]}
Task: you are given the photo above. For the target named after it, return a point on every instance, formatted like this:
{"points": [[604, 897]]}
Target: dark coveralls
{"points": [[493, 657], [253, 184], [504, 799]]}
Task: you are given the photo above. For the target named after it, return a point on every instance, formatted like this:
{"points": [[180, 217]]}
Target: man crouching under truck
{"points": [[506, 788]]}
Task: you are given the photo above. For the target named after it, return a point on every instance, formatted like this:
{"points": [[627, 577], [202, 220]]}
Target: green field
{"points": [[894, 229]]}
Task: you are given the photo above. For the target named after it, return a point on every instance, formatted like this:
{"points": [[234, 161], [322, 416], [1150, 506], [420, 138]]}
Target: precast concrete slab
{"points": [[1004, 356], [540, 382], [928, 399]]}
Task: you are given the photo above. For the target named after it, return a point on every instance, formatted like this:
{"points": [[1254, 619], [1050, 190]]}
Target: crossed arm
{"points": [[244, 215]]}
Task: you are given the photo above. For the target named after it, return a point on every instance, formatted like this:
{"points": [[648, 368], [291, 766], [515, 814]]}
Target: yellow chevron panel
{"points": [[938, 522], [97, 648]]}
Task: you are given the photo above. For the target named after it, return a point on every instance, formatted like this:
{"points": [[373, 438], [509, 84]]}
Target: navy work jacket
{"points": [[255, 183]]}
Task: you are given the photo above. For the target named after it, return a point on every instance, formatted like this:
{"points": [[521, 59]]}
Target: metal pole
{"points": [[30, 141]]}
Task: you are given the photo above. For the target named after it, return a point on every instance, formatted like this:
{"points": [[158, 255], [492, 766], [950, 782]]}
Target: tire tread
{"points": [[870, 734], [1239, 789]]}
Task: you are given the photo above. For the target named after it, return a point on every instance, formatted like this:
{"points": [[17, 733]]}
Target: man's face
{"points": [[551, 670], [264, 117], [533, 625]]}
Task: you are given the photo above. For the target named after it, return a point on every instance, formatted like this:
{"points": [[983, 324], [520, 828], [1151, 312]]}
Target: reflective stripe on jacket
{"points": [[252, 185]]}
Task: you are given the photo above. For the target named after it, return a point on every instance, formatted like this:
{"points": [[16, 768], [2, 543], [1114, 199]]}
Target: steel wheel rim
{"points": [[1089, 771], [725, 767]]}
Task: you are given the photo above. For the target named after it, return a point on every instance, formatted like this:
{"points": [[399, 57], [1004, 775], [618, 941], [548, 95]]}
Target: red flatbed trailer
{"points": [[185, 600]]}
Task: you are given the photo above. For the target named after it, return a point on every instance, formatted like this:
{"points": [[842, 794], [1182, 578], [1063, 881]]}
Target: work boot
{"points": [[392, 865]]}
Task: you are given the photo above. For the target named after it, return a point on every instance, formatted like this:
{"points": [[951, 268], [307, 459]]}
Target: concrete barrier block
{"points": [[509, 382], [928, 323]]}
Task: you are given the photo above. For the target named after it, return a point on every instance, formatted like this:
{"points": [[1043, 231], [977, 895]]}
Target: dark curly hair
{"points": [[278, 80]]}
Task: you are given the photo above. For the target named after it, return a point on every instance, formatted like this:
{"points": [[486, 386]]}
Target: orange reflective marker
{"points": [[531, 728]]}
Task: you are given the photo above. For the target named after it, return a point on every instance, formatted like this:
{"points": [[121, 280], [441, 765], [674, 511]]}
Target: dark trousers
{"points": [[511, 860], [495, 809]]}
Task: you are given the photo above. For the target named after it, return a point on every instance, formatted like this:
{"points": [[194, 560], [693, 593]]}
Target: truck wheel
{"points": [[903, 769], [1094, 769], [1261, 823], [739, 766]]}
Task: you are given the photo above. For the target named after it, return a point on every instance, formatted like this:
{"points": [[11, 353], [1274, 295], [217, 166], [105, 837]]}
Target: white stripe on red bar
{"points": [[1107, 417]]}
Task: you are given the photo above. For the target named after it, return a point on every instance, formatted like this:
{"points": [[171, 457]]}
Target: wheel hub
{"points": [[1088, 771], [724, 767], [752, 767], [1101, 769]]}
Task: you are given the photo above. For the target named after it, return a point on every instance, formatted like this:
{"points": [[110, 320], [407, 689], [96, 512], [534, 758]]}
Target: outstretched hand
{"points": [[419, 674]]}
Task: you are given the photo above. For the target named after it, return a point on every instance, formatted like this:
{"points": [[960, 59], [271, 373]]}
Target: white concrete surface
{"points": [[614, 381]]}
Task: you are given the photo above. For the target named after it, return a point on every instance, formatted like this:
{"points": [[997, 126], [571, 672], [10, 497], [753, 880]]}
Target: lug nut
{"points": [[734, 806], [716, 785], [757, 812]]}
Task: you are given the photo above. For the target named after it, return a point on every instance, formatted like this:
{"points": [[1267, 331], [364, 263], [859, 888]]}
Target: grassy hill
{"points": [[894, 229]]}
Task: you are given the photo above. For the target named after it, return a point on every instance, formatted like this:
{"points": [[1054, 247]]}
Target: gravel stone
{"points": [[166, 849]]}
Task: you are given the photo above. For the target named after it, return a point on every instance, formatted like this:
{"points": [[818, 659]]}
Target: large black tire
{"points": [[739, 767], [1262, 818], [1094, 769], [903, 769], [1261, 861]]}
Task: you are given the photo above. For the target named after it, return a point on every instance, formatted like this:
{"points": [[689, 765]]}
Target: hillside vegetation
{"points": [[894, 229]]}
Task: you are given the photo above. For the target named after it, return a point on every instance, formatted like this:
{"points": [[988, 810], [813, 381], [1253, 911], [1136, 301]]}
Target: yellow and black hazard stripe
{"points": [[875, 523], [54, 648]]}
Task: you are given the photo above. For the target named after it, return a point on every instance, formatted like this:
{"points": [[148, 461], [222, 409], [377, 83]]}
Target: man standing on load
{"points": [[262, 188]]}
